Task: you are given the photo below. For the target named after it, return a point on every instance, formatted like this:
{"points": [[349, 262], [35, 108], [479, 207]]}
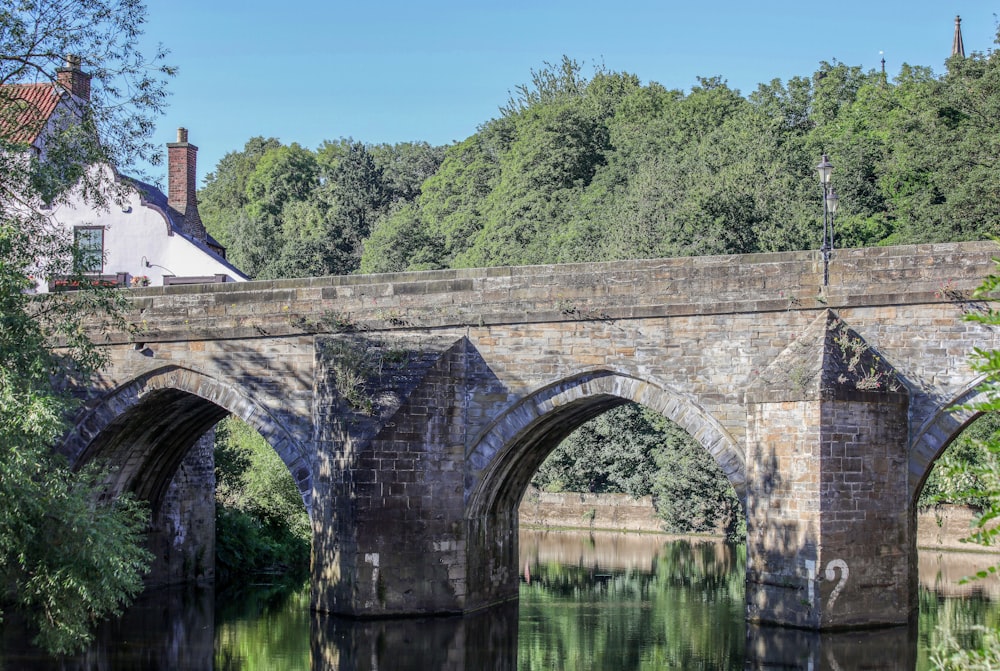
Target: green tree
{"points": [[636, 451], [67, 557], [611, 453], [553, 156], [398, 242], [261, 522], [440, 225], [287, 211], [357, 195], [283, 174], [691, 493], [224, 196], [967, 468], [405, 167]]}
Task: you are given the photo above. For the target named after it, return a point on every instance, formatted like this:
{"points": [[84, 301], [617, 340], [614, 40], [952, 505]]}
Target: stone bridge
{"points": [[413, 409]]}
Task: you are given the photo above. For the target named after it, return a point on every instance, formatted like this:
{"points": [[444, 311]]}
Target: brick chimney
{"points": [[182, 184], [73, 79]]}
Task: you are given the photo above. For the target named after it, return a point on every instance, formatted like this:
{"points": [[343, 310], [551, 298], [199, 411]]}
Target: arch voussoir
{"points": [[119, 401], [944, 425], [497, 450]]}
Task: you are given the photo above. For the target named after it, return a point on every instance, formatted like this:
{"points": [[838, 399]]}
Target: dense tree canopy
{"points": [[261, 522], [606, 168], [287, 211], [603, 168]]}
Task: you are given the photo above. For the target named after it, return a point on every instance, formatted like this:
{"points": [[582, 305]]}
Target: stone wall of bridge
{"points": [[412, 409]]}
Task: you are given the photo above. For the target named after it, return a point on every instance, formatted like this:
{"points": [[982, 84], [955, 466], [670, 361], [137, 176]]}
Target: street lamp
{"points": [[830, 202]]}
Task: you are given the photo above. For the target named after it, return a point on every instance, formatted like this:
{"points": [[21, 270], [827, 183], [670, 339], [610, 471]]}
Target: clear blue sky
{"points": [[309, 70]]}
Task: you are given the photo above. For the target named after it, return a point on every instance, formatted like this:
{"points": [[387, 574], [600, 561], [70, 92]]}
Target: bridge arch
{"points": [[939, 431], [506, 455], [146, 426]]}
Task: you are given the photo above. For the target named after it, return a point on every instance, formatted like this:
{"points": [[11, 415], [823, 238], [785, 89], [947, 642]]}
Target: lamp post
{"points": [[830, 202]]}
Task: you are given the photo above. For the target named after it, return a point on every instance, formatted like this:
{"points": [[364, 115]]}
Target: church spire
{"points": [[957, 46]]}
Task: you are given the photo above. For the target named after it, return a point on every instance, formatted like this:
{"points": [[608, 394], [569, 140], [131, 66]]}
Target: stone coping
{"points": [[714, 285]]}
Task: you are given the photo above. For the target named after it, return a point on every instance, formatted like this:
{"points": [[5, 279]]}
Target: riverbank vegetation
{"points": [[261, 524], [634, 450]]}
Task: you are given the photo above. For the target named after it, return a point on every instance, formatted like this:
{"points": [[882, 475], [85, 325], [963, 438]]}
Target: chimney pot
{"points": [[182, 135]]}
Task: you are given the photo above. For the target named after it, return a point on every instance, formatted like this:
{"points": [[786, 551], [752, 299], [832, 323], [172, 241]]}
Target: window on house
{"points": [[89, 241]]}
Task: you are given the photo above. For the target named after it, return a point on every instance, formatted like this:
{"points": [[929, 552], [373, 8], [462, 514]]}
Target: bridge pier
{"points": [[831, 540], [390, 535], [182, 530]]}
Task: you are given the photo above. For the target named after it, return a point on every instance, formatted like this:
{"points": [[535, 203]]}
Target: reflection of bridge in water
{"points": [[413, 410], [939, 571], [180, 628], [943, 572]]}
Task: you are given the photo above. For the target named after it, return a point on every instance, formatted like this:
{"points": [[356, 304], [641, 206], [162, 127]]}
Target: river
{"points": [[588, 601]]}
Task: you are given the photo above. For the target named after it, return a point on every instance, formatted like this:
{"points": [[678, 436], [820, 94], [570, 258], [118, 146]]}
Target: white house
{"points": [[148, 238]]}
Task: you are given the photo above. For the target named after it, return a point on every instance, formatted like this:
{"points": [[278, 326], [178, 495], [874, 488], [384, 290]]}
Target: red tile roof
{"points": [[24, 111]]}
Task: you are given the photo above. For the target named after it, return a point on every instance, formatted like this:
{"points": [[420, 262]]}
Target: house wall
{"points": [[135, 234]]}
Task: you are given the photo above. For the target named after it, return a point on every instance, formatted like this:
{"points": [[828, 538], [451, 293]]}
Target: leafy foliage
{"points": [[67, 557], [968, 470], [605, 168], [636, 451], [611, 453], [287, 211], [261, 522], [68, 561], [128, 88]]}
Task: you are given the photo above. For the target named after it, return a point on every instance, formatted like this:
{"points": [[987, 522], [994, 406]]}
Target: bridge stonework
{"points": [[413, 409]]}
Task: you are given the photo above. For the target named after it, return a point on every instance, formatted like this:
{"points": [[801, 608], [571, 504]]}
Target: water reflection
{"points": [[942, 572], [263, 626], [782, 648], [486, 640], [164, 629], [588, 601], [630, 602]]}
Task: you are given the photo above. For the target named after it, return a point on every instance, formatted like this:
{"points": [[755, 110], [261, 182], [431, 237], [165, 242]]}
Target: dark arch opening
{"points": [[146, 443], [508, 453], [517, 443], [536, 444], [637, 471], [143, 433], [146, 427]]}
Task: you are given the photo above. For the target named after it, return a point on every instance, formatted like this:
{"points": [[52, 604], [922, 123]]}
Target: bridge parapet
{"points": [[559, 293]]}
